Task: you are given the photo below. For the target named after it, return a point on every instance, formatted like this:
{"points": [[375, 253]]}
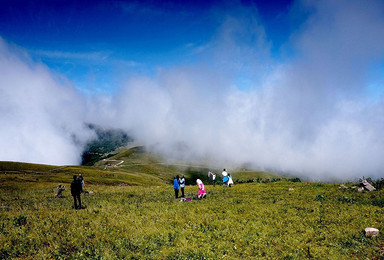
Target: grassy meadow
{"points": [[132, 214]]}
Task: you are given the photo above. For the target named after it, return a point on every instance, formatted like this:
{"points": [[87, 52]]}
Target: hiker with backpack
{"points": [[76, 191]]}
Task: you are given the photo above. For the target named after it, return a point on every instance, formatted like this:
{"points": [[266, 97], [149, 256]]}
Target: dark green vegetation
{"points": [[131, 213], [105, 142]]}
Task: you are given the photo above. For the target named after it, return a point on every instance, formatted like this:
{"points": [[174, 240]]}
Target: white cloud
{"points": [[308, 115], [41, 120], [71, 55]]}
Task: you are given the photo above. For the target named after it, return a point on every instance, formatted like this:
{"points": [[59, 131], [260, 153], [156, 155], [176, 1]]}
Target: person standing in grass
{"points": [[202, 192], [225, 178], [176, 186], [76, 191], [230, 181], [182, 185], [213, 178], [81, 180]]}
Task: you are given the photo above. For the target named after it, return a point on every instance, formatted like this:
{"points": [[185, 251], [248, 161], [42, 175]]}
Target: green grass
{"points": [[24, 167], [12, 179], [131, 213], [246, 221]]}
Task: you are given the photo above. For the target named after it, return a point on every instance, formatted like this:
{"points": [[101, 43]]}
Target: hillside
{"points": [[129, 212], [132, 166], [106, 141], [138, 160]]}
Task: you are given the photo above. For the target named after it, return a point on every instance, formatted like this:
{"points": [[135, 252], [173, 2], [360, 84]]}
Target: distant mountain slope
{"points": [[24, 167], [137, 159], [134, 166], [106, 141], [12, 172]]}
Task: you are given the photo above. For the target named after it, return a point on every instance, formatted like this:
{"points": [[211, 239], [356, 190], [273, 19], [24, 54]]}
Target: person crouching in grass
{"points": [[202, 192], [59, 191]]}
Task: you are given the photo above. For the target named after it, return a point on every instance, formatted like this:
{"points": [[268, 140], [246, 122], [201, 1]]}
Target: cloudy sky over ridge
{"points": [[295, 86]]}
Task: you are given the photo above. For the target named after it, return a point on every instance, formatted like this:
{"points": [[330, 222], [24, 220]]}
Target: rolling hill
{"points": [[134, 166], [129, 212]]}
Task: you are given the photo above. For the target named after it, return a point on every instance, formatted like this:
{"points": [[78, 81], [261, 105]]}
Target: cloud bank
{"points": [[41, 115], [308, 114]]}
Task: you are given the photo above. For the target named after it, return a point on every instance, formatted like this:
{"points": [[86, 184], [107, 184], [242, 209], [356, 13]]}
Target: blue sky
{"points": [[98, 44], [295, 86]]}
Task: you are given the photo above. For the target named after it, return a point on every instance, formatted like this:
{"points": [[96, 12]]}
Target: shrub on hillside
{"points": [[378, 184], [191, 175], [320, 197], [20, 221], [347, 200], [378, 202]]}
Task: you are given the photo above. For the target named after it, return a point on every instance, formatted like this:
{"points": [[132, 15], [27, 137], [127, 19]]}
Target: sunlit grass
{"points": [[145, 222]]}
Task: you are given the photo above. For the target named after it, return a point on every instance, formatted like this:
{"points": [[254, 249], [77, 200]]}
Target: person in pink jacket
{"points": [[202, 192]]}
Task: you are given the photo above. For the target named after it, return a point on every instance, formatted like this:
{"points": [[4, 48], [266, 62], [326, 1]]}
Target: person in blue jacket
{"points": [[176, 186], [225, 178]]}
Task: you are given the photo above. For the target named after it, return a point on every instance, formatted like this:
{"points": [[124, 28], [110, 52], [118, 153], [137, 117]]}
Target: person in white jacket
{"points": [[182, 185], [230, 181]]}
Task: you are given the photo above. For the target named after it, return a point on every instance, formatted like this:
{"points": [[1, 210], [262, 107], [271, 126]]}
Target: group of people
{"points": [[77, 187], [179, 184], [227, 179]]}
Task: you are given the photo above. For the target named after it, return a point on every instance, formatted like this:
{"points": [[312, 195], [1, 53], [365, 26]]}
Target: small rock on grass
{"points": [[371, 232]]}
